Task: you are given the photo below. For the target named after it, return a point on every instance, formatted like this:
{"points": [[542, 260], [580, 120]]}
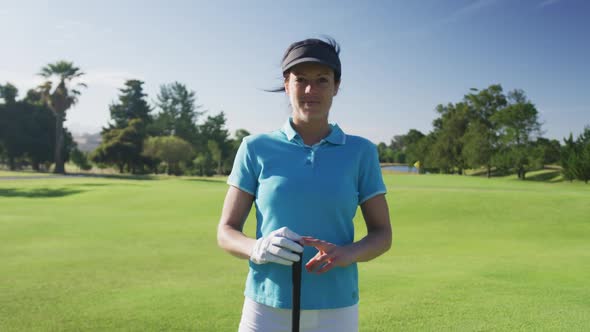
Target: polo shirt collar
{"points": [[336, 135]]}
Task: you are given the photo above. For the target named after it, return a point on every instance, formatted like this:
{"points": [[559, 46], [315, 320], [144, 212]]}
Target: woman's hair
{"points": [[329, 42]]}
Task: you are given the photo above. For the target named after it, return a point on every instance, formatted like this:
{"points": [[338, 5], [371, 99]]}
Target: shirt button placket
{"points": [[309, 159]]}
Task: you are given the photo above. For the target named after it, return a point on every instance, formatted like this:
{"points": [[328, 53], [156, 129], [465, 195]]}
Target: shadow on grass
{"points": [[494, 172], [38, 193], [218, 180], [115, 176], [90, 184], [550, 176]]}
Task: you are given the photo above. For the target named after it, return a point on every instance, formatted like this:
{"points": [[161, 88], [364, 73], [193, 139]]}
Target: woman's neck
{"points": [[311, 132]]}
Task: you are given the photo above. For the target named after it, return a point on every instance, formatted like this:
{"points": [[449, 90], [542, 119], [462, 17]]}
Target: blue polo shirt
{"points": [[315, 191]]}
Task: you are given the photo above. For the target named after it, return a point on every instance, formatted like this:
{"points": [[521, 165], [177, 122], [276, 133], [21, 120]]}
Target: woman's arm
{"points": [[377, 241], [230, 237]]}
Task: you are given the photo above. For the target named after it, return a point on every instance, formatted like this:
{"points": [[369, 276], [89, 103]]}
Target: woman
{"points": [[306, 181]]}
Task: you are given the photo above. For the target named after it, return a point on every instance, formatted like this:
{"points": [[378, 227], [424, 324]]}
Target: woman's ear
{"points": [[336, 87], [286, 82]]}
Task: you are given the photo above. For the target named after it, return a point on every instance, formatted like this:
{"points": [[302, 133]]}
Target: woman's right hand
{"points": [[277, 247]]}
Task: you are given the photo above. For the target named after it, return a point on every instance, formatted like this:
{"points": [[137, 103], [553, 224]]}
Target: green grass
{"points": [[469, 254], [4, 173]]}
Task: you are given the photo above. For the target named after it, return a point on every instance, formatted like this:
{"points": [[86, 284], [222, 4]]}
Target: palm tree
{"points": [[60, 100]]}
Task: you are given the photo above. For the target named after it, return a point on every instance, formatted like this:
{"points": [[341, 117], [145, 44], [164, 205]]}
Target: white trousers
{"points": [[258, 317]]}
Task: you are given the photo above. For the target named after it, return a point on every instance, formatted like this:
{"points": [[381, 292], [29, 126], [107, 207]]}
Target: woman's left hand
{"points": [[329, 255]]}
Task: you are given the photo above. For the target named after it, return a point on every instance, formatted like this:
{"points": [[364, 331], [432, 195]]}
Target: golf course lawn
{"points": [[469, 254]]}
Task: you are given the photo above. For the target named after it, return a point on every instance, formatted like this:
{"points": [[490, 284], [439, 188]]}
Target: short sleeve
{"points": [[370, 177], [243, 174]]}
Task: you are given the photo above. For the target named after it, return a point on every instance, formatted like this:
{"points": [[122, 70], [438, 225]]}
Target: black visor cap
{"points": [[312, 50]]}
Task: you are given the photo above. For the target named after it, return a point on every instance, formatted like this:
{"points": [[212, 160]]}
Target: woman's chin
{"points": [[312, 113]]}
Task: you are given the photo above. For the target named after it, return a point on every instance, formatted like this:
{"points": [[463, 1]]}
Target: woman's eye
{"points": [[299, 80], [323, 80]]}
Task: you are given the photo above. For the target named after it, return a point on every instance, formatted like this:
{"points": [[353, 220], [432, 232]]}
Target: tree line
{"points": [[173, 136], [499, 132], [139, 141], [488, 129]]}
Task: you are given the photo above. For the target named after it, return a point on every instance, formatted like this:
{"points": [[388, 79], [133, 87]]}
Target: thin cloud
{"points": [[469, 10], [548, 3]]}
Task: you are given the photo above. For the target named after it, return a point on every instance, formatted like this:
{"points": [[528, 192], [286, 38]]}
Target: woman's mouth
{"points": [[311, 102]]}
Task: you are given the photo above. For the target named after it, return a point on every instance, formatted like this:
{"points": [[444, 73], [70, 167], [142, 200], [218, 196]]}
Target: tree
{"points": [[584, 168], [27, 134], [170, 149], [201, 163], [549, 149], [575, 158], [481, 139], [569, 158], [132, 105], [239, 135], [213, 129], [518, 127], [413, 151], [425, 155], [124, 136], [486, 103], [59, 100], [216, 153], [234, 144], [122, 147], [399, 157], [9, 93], [398, 143], [382, 152], [80, 159], [476, 148], [178, 113], [386, 154], [450, 128], [12, 136]]}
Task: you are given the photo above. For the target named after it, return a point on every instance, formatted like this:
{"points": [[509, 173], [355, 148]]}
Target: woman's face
{"points": [[311, 87]]}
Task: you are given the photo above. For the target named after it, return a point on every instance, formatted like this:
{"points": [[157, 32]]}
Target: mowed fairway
{"points": [[469, 254]]}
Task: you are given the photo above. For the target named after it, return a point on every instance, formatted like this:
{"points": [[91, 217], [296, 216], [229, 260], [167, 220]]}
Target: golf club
{"points": [[296, 310]]}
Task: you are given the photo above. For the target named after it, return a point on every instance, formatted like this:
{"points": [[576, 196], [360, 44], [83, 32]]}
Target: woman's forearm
{"points": [[234, 241], [230, 237], [376, 243], [378, 239]]}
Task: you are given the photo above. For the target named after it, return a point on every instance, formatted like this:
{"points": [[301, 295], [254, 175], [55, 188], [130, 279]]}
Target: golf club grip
{"points": [[296, 310]]}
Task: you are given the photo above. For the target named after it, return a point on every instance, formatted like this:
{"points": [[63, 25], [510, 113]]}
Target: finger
{"points": [[311, 263], [276, 259], [316, 261], [286, 243], [283, 253], [327, 267], [319, 244], [286, 232], [306, 239]]}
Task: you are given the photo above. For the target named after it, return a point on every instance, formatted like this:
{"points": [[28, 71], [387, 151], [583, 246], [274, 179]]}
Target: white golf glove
{"points": [[277, 247]]}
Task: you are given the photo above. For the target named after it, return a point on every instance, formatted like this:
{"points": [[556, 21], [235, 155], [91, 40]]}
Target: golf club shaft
{"points": [[296, 310]]}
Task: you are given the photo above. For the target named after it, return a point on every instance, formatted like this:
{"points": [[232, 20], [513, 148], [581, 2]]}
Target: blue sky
{"points": [[400, 58]]}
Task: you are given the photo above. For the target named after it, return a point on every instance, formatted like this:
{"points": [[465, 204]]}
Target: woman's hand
{"points": [[377, 241], [279, 247], [329, 255]]}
